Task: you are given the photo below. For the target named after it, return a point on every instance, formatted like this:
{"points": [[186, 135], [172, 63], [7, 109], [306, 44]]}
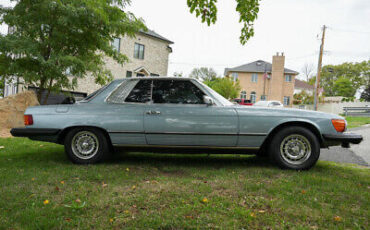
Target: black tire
{"points": [[302, 148], [95, 139]]}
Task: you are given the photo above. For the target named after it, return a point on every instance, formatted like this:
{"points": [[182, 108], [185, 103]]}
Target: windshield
{"points": [[218, 97]]}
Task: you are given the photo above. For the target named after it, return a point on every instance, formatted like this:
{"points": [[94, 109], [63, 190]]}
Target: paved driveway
{"points": [[357, 154]]}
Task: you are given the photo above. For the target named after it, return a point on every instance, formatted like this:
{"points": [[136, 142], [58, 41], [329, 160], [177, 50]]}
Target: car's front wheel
{"points": [[295, 148], [86, 145]]}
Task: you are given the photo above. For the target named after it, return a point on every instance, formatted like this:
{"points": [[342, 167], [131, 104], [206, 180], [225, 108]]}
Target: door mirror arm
{"points": [[208, 100]]}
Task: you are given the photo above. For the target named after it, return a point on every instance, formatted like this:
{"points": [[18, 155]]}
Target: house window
{"points": [[140, 75], [263, 97], [139, 51], [234, 76], [128, 73], [254, 77], [286, 100], [116, 43], [154, 75], [253, 97], [288, 78], [243, 95]]}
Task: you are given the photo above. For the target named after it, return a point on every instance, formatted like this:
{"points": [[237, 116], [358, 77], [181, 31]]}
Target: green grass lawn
{"points": [[140, 191], [357, 121]]}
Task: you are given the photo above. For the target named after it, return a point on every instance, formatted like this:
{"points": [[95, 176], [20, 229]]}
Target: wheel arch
{"points": [[314, 129], [64, 132]]}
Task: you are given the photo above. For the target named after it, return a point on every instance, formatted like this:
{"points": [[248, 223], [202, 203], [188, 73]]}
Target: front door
{"points": [[178, 116]]}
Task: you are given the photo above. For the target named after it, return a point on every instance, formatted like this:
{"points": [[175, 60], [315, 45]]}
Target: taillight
{"points": [[28, 120], [339, 124]]}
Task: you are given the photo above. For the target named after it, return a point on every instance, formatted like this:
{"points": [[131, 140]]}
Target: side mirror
{"points": [[208, 100]]}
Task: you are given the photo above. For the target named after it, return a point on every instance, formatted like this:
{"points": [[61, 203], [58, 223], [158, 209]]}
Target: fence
{"points": [[336, 108]]}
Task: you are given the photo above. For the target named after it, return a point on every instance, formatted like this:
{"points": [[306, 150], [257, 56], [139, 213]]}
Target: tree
{"points": [[308, 70], [365, 95], [358, 75], [178, 74], [203, 73], [52, 38], [2, 85], [343, 87], [225, 86], [247, 9]]}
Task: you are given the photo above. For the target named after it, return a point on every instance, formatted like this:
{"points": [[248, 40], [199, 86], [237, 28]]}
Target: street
{"points": [[357, 154]]}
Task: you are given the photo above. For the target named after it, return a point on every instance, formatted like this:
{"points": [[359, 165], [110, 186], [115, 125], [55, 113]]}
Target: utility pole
{"points": [[317, 85]]}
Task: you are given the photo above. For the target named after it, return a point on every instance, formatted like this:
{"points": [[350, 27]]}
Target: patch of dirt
{"points": [[4, 133], [12, 109]]}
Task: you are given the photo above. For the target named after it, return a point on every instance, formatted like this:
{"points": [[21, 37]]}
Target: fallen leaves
{"points": [[205, 200], [33, 179], [62, 182], [133, 187], [76, 205], [104, 184], [337, 218], [253, 215], [127, 169], [303, 191], [2, 147]]}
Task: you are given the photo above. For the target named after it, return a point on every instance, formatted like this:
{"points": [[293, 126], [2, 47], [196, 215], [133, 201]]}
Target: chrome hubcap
{"points": [[85, 145], [295, 149]]}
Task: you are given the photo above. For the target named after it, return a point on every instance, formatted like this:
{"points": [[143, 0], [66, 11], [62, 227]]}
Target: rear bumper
{"points": [[343, 138], [33, 132]]}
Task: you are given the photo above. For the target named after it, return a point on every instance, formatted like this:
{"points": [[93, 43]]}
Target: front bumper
{"points": [[342, 138], [30, 132]]}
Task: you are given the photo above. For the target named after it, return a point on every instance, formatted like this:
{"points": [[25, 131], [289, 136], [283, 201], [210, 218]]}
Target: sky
{"points": [[289, 26]]}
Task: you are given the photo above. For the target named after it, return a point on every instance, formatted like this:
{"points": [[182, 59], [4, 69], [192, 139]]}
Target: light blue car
{"points": [[182, 114]]}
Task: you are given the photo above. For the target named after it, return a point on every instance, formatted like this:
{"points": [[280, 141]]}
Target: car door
{"points": [[126, 106], [178, 116]]}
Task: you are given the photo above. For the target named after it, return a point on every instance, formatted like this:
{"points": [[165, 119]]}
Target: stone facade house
{"points": [[261, 80], [148, 55]]}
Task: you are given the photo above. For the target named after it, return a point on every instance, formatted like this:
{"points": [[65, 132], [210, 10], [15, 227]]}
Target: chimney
{"points": [[277, 77]]}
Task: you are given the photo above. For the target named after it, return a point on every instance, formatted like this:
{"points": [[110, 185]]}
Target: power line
{"points": [[348, 31]]}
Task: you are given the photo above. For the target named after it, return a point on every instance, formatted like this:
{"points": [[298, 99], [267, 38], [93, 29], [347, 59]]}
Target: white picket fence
{"points": [[336, 108]]}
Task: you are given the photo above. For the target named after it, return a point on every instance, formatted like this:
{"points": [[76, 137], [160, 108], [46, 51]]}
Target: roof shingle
{"points": [[259, 66]]}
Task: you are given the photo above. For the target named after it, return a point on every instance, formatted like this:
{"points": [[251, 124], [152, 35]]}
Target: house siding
{"points": [[275, 88]]}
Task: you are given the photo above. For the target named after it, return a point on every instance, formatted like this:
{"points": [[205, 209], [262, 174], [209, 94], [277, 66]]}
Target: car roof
{"points": [[157, 78]]}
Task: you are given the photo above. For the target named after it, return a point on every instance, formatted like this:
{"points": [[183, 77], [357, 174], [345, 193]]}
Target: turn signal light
{"points": [[28, 120], [339, 125]]}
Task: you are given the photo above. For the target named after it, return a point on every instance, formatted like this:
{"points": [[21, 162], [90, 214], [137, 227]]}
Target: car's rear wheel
{"points": [[295, 148], [86, 146]]}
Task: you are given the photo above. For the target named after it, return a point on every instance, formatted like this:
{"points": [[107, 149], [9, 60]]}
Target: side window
{"points": [[116, 43], [176, 92], [140, 93]]}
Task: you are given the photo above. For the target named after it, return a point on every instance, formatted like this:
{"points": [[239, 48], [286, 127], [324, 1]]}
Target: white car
{"points": [[269, 104]]}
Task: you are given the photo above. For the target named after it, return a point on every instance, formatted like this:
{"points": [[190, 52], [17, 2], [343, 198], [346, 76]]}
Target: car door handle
{"points": [[152, 112]]}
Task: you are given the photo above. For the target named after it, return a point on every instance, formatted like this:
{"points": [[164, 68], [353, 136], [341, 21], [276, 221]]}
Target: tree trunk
{"points": [[48, 93]]}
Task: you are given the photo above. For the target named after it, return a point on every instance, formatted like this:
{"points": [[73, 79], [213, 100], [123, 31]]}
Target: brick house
{"points": [[261, 80], [148, 55]]}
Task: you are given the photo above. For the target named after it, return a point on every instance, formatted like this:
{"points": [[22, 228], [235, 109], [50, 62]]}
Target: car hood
{"points": [[289, 112]]}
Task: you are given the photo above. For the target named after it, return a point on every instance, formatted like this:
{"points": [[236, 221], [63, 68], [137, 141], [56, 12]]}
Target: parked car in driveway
{"points": [[242, 101], [269, 104], [160, 113]]}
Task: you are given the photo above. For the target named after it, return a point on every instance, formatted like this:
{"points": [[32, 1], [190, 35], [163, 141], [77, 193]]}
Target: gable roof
{"points": [[153, 34], [259, 66], [303, 85]]}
